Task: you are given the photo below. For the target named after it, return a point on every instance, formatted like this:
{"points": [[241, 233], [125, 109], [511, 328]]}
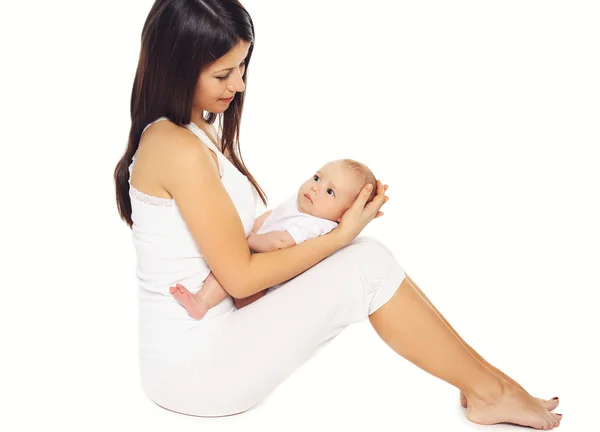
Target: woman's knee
{"points": [[380, 271], [372, 248]]}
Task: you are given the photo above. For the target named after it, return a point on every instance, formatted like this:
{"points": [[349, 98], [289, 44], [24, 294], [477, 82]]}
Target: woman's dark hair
{"points": [[179, 39]]}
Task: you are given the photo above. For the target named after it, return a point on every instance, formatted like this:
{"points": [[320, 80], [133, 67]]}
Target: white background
{"points": [[483, 117]]}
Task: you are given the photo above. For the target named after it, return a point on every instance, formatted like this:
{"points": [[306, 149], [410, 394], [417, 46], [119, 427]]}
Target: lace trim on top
{"points": [[145, 198]]}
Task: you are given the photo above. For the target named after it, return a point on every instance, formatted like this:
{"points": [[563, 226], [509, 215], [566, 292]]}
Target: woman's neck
{"points": [[209, 130], [198, 119]]}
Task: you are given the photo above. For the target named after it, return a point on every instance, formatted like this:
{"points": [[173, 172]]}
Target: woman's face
{"points": [[221, 80]]}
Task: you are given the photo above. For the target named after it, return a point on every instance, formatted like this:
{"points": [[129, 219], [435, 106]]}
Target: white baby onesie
{"points": [[301, 226]]}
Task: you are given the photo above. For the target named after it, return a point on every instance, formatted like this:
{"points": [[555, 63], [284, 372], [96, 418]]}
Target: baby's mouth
{"points": [[308, 197]]}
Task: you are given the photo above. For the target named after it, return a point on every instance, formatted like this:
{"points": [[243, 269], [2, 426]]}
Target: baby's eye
{"points": [[315, 176], [331, 191]]}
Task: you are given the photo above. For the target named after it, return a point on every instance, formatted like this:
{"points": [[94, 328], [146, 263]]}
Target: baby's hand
{"points": [[280, 240], [270, 241]]}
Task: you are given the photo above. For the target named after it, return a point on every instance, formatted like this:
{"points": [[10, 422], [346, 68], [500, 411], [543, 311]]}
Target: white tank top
{"points": [[167, 252]]}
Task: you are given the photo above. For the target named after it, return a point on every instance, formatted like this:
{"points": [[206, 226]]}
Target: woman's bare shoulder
{"points": [[161, 135], [163, 141], [181, 156], [159, 145]]}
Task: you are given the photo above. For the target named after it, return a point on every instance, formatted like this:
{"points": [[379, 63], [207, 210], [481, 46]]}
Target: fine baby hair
{"points": [[363, 173]]}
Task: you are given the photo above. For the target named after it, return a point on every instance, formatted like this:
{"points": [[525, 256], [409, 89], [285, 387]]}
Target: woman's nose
{"points": [[238, 85]]}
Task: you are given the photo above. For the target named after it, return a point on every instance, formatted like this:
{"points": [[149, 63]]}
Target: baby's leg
{"points": [[211, 293]]}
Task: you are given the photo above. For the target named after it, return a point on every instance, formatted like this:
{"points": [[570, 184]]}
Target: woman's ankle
{"points": [[488, 391]]}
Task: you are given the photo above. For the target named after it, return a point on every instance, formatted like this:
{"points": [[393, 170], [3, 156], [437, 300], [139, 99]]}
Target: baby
{"points": [[314, 210]]}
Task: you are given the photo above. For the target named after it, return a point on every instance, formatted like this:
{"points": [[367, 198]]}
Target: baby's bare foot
{"points": [[549, 404], [193, 304], [512, 405]]}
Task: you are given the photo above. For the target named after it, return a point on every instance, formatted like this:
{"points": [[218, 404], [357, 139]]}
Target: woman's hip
{"points": [[233, 362]]}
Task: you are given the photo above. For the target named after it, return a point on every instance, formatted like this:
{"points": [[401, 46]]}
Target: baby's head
{"points": [[334, 188]]}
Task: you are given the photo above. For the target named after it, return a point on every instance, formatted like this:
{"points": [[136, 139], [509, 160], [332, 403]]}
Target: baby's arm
{"points": [[260, 221], [270, 241]]}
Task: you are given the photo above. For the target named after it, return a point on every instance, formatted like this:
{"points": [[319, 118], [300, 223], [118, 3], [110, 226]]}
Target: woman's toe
{"points": [[550, 404]]}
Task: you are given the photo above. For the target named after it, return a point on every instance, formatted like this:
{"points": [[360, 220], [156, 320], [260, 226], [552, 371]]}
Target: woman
{"points": [[190, 201]]}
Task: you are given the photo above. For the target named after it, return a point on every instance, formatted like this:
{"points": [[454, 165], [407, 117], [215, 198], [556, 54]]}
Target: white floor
{"points": [[356, 382], [481, 116]]}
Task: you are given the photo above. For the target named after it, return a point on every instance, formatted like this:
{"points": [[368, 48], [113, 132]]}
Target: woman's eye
{"points": [[243, 65]]}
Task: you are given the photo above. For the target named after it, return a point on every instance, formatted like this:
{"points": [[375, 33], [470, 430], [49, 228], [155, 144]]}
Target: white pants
{"points": [[231, 362]]}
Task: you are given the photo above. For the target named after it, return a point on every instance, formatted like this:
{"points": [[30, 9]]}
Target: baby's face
{"points": [[329, 192]]}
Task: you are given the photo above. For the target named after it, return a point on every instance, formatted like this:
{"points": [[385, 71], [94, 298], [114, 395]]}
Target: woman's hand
{"points": [[359, 215]]}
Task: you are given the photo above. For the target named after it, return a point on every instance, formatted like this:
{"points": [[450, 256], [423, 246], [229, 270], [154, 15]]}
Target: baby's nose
{"points": [[314, 188]]}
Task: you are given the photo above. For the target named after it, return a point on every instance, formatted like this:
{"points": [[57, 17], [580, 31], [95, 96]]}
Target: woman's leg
{"points": [[242, 357], [415, 330], [230, 363], [549, 404]]}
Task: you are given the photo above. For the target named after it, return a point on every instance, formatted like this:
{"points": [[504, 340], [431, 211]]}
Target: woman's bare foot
{"points": [[193, 303], [511, 405], [549, 404]]}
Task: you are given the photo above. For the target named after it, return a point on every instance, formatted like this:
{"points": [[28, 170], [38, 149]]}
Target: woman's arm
{"points": [[266, 242], [272, 268], [190, 175]]}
